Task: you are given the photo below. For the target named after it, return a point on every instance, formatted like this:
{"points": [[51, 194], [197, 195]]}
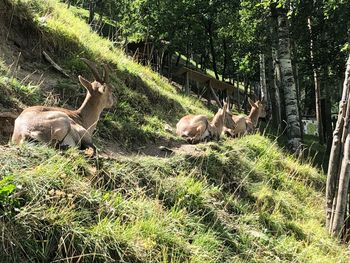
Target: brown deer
{"points": [[197, 128], [237, 126], [62, 127]]}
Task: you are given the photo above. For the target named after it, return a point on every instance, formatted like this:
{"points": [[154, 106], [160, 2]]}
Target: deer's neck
{"points": [[218, 122], [254, 116], [89, 112]]}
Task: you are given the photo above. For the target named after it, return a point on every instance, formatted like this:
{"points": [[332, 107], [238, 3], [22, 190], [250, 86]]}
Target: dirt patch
{"points": [[19, 32], [162, 148], [22, 46]]}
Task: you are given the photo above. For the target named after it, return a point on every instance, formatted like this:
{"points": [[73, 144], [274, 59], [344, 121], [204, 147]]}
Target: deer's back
{"points": [[45, 124], [188, 125]]}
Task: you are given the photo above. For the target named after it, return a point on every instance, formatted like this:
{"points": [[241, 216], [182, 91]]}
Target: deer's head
{"points": [[258, 108], [100, 89]]}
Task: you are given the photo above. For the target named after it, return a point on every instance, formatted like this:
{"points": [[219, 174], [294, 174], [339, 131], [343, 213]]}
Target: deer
{"points": [[198, 128], [237, 125], [62, 127]]}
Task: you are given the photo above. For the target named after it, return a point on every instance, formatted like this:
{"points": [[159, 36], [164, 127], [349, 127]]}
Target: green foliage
{"points": [[6, 190], [17, 93]]}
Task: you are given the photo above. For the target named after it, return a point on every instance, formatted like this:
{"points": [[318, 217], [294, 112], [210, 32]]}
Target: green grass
{"points": [[146, 101], [242, 200], [229, 204], [19, 94]]}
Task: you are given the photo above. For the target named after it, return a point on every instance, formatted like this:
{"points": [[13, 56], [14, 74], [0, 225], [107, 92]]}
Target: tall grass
{"points": [[242, 201]]}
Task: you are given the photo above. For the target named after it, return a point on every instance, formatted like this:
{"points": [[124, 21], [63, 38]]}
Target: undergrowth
{"points": [[243, 201]]}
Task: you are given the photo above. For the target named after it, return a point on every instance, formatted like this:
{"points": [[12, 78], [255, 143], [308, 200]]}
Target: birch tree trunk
{"points": [[288, 83], [338, 177], [264, 95]]}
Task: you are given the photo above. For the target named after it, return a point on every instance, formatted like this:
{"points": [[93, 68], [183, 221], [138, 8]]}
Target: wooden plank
{"points": [[187, 85], [202, 78]]}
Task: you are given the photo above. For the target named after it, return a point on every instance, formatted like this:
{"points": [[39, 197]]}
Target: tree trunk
{"points": [[225, 59], [317, 85], [272, 102], [178, 60], [343, 189], [245, 103], [275, 74], [264, 94], [212, 48], [238, 95], [327, 114], [91, 11], [338, 168], [297, 86], [288, 83]]}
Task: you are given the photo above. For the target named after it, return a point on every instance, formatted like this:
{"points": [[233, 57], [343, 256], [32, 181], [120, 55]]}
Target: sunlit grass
{"points": [[145, 208], [241, 200], [146, 103]]}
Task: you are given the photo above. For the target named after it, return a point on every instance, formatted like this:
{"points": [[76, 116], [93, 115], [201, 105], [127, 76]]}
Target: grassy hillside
{"points": [[239, 201], [146, 101], [242, 200]]}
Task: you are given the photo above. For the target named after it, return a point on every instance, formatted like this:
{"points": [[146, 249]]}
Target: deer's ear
{"points": [[251, 102], [225, 107], [102, 89], [86, 83]]}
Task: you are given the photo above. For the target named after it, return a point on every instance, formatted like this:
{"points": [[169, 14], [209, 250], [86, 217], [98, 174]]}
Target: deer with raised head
{"points": [[197, 128], [237, 125], [61, 127]]}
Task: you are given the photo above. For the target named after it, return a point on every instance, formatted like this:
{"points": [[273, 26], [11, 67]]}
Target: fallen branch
{"points": [[54, 64]]}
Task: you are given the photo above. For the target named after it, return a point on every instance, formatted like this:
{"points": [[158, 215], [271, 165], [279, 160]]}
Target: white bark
{"points": [[264, 94], [288, 83]]}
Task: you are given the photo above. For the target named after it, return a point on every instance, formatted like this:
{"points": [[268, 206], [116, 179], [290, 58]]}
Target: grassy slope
{"points": [[146, 101], [236, 201]]}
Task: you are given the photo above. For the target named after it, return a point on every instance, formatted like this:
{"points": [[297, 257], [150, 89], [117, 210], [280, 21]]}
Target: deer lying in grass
{"points": [[62, 127], [197, 128], [240, 125]]}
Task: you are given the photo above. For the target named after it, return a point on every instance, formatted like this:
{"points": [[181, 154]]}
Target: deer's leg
{"points": [[229, 132], [85, 139]]}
